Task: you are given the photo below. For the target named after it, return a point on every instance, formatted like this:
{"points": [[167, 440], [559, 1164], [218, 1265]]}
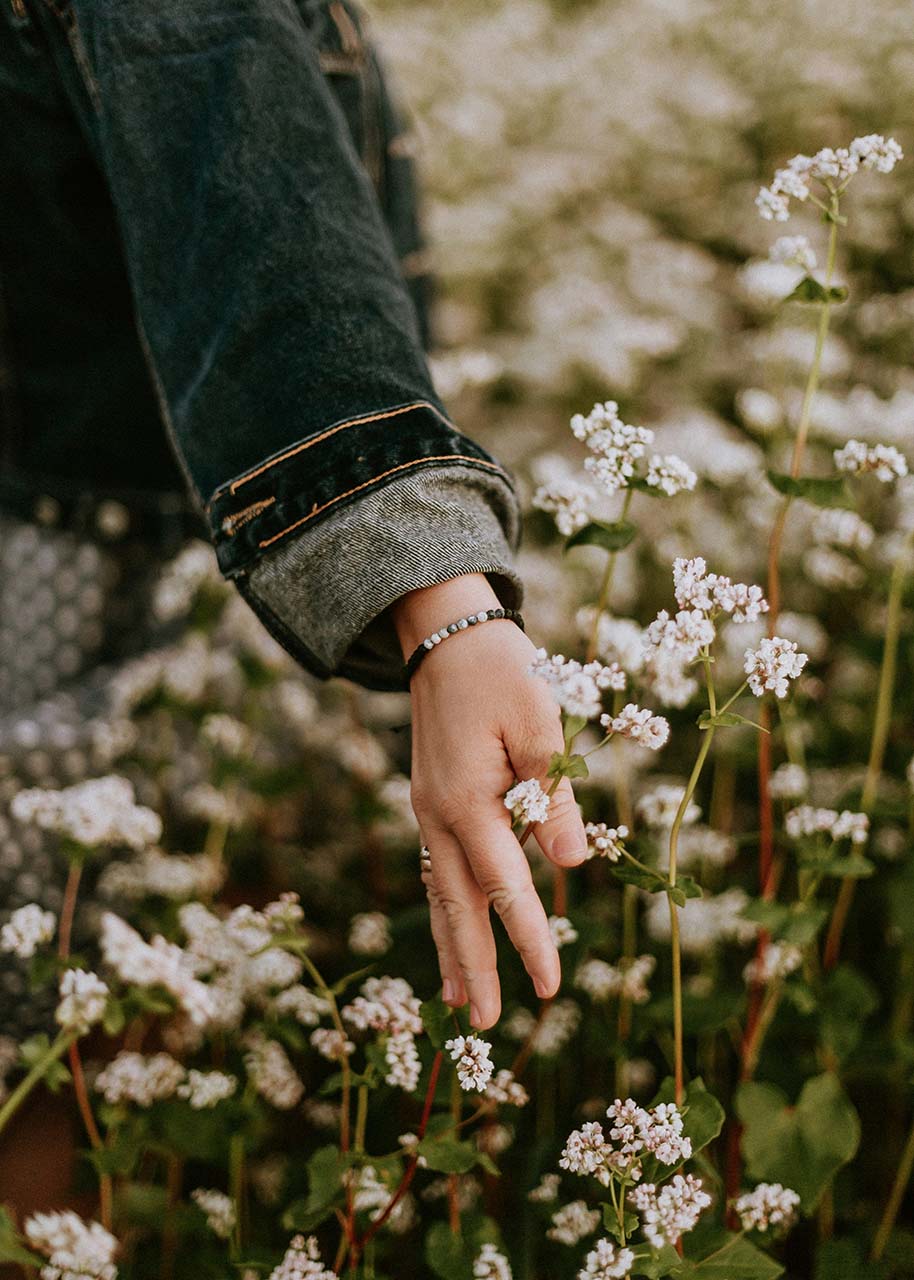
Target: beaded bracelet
{"points": [[471, 620]]}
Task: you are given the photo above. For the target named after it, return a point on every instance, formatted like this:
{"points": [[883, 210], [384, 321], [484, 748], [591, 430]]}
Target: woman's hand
{"points": [[480, 721]]}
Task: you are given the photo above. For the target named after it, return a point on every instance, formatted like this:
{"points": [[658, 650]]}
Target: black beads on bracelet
{"points": [[471, 620]]}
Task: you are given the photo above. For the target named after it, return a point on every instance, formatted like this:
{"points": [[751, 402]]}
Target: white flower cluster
{"points": [[271, 1073], [332, 1044], [769, 1205], [474, 1066], [142, 1080], [75, 1250], [703, 922], [607, 1262], [832, 167], [569, 501], [302, 1004], [101, 811], [638, 724], [27, 929], [628, 979], [670, 1212], [769, 667], [83, 998], [577, 688], [806, 821], [156, 964], [618, 449], [388, 1007], [527, 801], [504, 1089], [776, 960], [549, 1035], [605, 842], [490, 1264], [369, 934], [658, 808], [793, 251], [635, 1131], [181, 579], [562, 931], [789, 782], [205, 1089], [573, 1222], [883, 461], [218, 1208], [302, 1261], [153, 873], [843, 529], [700, 845]]}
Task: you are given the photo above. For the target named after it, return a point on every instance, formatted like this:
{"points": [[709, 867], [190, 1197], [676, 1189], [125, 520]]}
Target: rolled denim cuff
{"points": [[325, 593]]}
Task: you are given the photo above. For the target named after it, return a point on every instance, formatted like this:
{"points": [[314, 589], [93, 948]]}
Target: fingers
{"points": [[502, 873], [453, 991], [561, 837], [470, 932]]}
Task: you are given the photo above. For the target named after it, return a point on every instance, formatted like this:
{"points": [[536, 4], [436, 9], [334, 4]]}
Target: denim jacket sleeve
{"points": [[282, 338]]}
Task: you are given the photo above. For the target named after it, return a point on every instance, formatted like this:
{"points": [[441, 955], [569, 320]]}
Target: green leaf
{"points": [[445, 1155], [115, 1019], [642, 877], [702, 1115], [325, 1185], [737, 1260], [811, 290], [437, 1018], [576, 767], [611, 537], [854, 866], [611, 1223], [449, 1256], [725, 720], [798, 924], [31, 1051], [684, 888], [10, 1248], [803, 1146], [348, 979], [821, 491], [573, 725], [846, 1001], [656, 1264]]}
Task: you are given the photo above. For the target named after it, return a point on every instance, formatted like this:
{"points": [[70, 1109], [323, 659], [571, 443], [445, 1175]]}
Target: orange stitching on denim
{"points": [[231, 524], [447, 457], [353, 422]]}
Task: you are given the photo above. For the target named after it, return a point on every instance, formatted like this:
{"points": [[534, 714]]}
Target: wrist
{"points": [[418, 613]]}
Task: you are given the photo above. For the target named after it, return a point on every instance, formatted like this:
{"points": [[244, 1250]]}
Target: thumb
{"points": [[561, 837]]}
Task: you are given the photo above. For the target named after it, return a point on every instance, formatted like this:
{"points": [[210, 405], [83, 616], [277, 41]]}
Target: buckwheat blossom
{"points": [[153, 873], [573, 1222], [666, 675], [527, 802], [271, 1073], [701, 845], [789, 782], [490, 1264], [568, 501], [101, 811], [576, 688], [404, 1065], [876, 152], [504, 1089], [226, 735], [142, 1080], [696, 590], [794, 251], [628, 979], [770, 1206], [881, 460], [669, 1213], [777, 960], [683, 636], [369, 934], [302, 1004], [597, 978], [832, 569], [562, 930], [385, 1005], [83, 998], [27, 929], [206, 1089], [155, 964], [670, 474], [218, 1208], [605, 842], [302, 1261], [806, 821], [494, 1139], [586, 1151], [76, 1250], [619, 640], [658, 808], [772, 665], [331, 1043], [608, 1261], [617, 446], [843, 529], [474, 1066], [546, 1190], [639, 724], [557, 1025], [833, 167], [705, 922]]}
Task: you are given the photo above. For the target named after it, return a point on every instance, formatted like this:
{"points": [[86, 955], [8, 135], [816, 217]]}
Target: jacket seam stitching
{"points": [[316, 511], [235, 485]]}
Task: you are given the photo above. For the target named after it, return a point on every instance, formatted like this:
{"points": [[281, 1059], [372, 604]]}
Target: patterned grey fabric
{"points": [[425, 528]]}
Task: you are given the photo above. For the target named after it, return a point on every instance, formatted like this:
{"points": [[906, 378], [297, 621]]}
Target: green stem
{"points": [[35, 1076], [344, 1062], [606, 587], [236, 1190], [361, 1117], [893, 1204]]}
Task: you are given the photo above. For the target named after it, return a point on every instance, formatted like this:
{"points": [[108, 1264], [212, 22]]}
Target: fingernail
{"points": [[542, 989], [475, 1015], [569, 847], [448, 991]]}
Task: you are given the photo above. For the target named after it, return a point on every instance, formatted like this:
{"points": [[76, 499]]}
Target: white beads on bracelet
{"points": [[460, 625]]}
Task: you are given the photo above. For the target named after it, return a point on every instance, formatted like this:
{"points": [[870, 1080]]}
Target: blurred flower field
{"points": [[232, 975]]}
